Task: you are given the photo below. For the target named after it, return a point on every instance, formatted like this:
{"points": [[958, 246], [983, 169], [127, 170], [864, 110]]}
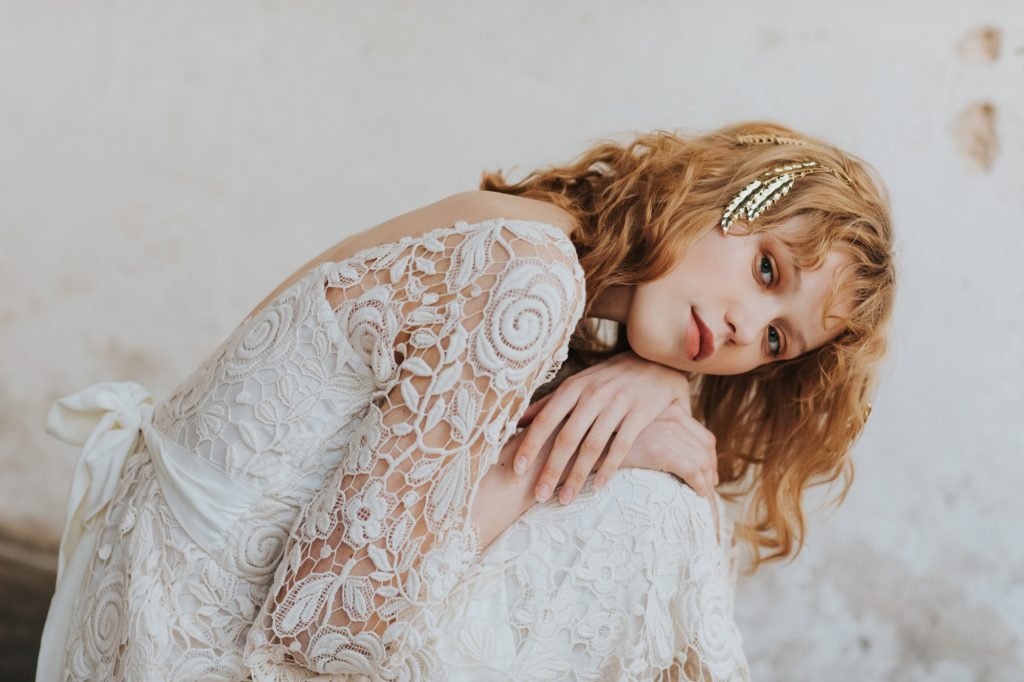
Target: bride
{"points": [[340, 492]]}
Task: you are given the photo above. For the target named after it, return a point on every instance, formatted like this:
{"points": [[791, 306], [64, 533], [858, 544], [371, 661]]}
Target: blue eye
{"points": [[777, 349], [766, 268]]}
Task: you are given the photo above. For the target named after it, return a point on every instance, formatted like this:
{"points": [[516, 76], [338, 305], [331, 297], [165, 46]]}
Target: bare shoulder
{"points": [[472, 206], [484, 205]]}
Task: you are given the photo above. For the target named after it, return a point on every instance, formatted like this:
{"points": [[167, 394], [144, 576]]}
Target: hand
{"points": [[678, 444], [618, 398]]}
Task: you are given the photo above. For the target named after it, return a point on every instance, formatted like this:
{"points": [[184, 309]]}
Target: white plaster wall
{"points": [[163, 166]]}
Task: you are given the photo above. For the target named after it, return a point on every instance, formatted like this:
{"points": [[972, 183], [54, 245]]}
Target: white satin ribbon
{"points": [[106, 419]]}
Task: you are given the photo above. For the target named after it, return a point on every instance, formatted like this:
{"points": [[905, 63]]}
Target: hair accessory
{"points": [[753, 199], [769, 139]]}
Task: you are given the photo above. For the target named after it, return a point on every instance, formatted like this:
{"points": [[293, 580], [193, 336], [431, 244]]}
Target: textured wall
{"points": [[163, 166]]}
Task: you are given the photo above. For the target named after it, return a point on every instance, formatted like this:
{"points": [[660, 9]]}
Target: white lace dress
{"points": [[298, 507]]}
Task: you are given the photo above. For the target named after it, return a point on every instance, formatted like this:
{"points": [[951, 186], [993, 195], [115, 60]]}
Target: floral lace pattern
{"points": [[627, 583], [362, 430], [372, 560]]}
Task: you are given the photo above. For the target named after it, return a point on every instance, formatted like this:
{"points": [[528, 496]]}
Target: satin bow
{"points": [[106, 419]]}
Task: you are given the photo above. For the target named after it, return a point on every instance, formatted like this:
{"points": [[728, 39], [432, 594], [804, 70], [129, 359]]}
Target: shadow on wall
{"points": [[26, 585]]}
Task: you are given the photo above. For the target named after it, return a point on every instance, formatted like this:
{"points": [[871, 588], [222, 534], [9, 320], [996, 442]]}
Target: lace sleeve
{"points": [[384, 540]]}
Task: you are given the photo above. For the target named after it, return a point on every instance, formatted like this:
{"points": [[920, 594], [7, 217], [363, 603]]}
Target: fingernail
{"points": [[565, 497], [543, 490], [520, 465], [599, 482]]}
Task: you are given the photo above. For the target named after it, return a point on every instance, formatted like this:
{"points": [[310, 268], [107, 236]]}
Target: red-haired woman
{"points": [[333, 493]]}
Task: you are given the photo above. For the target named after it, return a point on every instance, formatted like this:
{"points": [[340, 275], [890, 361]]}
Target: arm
{"points": [[504, 495], [613, 401], [386, 538]]}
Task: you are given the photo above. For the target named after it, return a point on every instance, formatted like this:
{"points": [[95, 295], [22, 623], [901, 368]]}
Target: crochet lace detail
{"points": [[357, 433], [478, 322]]}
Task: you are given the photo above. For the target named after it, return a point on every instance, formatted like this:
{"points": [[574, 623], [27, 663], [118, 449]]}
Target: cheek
{"points": [[728, 361], [643, 343], [637, 325], [649, 328]]}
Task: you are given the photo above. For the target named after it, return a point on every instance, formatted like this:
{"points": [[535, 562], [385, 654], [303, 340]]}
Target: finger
{"points": [[706, 485], [678, 413], [706, 434], [702, 438], [545, 422], [568, 439], [620, 447], [695, 479], [689, 471], [533, 409], [703, 474], [681, 410], [711, 466], [590, 451]]}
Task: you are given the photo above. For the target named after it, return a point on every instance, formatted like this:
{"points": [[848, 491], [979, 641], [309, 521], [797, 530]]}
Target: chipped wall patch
{"points": [[975, 135], [980, 46]]}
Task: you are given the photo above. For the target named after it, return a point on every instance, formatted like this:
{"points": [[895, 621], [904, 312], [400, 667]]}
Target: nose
{"points": [[744, 324]]}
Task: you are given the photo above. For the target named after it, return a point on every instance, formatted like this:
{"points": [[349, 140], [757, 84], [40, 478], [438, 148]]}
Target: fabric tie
{"points": [[106, 420]]}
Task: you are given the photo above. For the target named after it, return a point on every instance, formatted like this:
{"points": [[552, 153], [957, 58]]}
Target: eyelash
{"points": [[765, 257]]}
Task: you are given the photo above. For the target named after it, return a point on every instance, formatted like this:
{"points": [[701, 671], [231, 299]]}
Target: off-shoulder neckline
{"points": [[458, 227]]}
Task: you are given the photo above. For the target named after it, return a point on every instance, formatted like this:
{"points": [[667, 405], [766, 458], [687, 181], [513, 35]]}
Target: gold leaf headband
{"points": [[752, 200], [769, 139]]}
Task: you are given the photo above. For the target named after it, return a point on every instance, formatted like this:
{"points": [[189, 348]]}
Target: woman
{"points": [[317, 495]]}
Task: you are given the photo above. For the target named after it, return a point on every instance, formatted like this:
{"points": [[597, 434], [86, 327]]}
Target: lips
{"points": [[707, 339]]}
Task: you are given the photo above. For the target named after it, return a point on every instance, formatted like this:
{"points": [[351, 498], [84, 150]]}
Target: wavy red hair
{"points": [[787, 425]]}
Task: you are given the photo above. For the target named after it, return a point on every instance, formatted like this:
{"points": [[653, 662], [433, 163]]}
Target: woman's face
{"points": [[753, 302]]}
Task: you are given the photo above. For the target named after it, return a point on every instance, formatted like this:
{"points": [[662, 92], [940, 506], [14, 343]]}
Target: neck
{"points": [[613, 303]]}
